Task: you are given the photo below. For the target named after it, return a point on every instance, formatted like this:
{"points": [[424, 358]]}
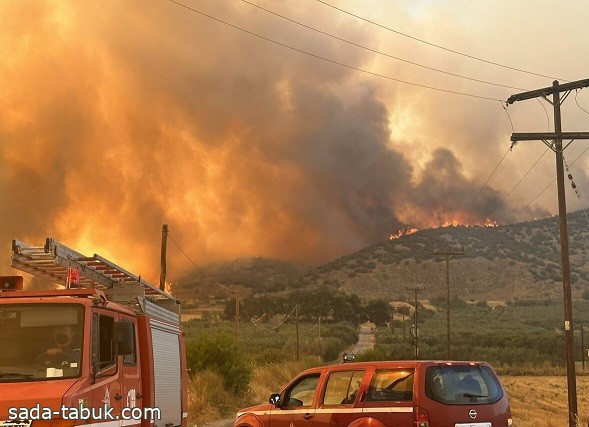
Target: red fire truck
{"points": [[105, 350]]}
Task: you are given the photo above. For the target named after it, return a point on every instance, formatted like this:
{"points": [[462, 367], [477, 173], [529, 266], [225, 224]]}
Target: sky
{"points": [[251, 135]]}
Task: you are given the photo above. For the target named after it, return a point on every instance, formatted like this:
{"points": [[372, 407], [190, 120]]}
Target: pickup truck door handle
{"points": [[118, 396], [307, 416]]}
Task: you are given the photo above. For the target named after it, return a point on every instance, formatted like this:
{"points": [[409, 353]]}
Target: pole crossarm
{"points": [[541, 136], [448, 253], [544, 92]]}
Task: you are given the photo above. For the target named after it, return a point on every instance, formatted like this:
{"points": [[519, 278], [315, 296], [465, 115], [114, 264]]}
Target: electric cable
{"points": [[197, 267], [577, 102], [263, 327], [380, 52], [553, 181], [488, 179], [526, 174], [331, 61], [437, 45]]}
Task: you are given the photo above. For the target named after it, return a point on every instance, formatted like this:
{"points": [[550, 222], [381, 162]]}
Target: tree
{"points": [[379, 311]]}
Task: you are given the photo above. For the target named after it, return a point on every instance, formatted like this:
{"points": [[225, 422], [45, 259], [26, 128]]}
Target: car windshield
{"points": [[40, 341], [462, 384]]}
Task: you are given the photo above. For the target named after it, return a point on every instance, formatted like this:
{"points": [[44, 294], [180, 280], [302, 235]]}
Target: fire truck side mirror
{"points": [[11, 283], [124, 337]]}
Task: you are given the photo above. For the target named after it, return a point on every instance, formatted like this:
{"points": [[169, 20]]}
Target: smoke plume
{"points": [[118, 117]]}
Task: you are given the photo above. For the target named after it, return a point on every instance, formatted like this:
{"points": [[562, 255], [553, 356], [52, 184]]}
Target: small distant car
{"points": [[388, 393], [348, 357]]}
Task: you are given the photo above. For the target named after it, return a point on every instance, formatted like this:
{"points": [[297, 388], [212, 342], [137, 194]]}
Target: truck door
{"points": [[106, 391], [131, 378], [336, 408], [389, 397], [297, 408]]}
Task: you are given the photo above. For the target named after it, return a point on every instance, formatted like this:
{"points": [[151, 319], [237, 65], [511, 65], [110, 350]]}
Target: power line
{"points": [[489, 178], [546, 111], [197, 267], [380, 52], [526, 174], [553, 181], [263, 327], [437, 45], [331, 61], [577, 102]]}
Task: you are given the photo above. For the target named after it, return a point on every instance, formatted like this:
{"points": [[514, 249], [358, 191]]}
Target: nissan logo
{"points": [[472, 413]]}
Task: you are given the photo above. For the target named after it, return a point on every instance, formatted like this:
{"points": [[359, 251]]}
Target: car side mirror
{"points": [[274, 399], [123, 337]]}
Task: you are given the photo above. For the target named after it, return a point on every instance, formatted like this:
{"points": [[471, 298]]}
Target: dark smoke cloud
{"points": [[122, 116]]}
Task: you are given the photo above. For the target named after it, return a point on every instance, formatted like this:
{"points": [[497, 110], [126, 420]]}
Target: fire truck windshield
{"points": [[40, 341]]}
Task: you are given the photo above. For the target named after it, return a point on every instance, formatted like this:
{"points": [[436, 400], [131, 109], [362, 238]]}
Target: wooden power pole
{"points": [[297, 328], [163, 263], [448, 255], [237, 315], [556, 145], [416, 333]]}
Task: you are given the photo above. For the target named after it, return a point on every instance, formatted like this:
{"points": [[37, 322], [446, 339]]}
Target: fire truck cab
{"points": [[106, 350]]}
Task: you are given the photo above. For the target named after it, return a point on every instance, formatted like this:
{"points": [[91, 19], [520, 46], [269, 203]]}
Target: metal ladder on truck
{"points": [[57, 263]]}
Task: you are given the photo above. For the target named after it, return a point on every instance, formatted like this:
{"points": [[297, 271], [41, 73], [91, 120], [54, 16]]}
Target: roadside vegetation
{"points": [[229, 371]]}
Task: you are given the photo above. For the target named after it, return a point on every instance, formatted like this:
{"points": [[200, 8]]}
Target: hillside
{"points": [[499, 263], [252, 275], [517, 261]]}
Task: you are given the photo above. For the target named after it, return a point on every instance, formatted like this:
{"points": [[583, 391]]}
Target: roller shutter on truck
{"points": [[168, 375]]}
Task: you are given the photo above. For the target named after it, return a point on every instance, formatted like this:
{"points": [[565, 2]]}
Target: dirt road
{"points": [[365, 339]]}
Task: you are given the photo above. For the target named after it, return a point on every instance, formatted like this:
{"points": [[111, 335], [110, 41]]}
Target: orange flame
{"points": [[405, 232], [488, 223]]}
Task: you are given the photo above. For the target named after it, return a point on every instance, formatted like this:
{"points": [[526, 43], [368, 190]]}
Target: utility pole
{"points": [[416, 351], [236, 315], [403, 314], [556, 145], [163, 263], [297, 327], [582, 346], [448, 255]]}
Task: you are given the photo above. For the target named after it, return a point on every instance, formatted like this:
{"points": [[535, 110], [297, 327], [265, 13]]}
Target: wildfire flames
{"points": [[487, 223]]}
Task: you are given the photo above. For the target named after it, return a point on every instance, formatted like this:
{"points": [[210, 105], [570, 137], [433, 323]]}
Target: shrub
{"points": [[207, 397], [219, 353]]}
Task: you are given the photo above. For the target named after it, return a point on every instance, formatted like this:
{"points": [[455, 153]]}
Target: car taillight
{"points": [[421, 417]]}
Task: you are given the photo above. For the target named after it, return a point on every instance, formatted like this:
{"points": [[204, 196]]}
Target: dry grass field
{"points": [[542, 401]]}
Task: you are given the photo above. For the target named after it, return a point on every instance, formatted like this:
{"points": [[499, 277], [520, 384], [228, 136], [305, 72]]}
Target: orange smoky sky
{"points": [[117, 117]]}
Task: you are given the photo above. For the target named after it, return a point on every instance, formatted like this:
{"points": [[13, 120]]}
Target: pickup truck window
{"points": [[302, 392], [462, 384], [393, 385], [342, 387], [40, 341]]}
